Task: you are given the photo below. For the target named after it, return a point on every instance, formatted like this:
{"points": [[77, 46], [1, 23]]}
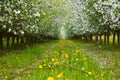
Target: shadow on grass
{"points": [[21, 47]]}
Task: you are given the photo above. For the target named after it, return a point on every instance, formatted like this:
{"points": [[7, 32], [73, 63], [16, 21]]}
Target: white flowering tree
{"points": [[110, 19], [80, 19], [95, 17], [31, 20], [25, 21], [16, 16]]}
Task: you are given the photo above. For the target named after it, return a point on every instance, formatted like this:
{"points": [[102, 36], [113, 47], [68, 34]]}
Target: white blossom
{"points": [[17, 11], [37, 14], [22, 32], [9, 30]]}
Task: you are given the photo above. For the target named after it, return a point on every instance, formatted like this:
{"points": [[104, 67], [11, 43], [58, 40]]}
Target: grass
{"points": [[62, 60]]}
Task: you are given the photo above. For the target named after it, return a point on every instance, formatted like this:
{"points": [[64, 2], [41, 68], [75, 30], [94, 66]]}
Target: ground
{"points": [[62, 60]]}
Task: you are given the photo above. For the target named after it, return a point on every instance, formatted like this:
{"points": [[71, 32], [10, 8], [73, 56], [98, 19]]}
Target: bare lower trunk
{"points": [[118, 35], [96, 38], [100, 38], [8, 41], [13, 41], [91, 37], [104, 38], [22, 40], [17, 38], [108, 39], [1, 41], [114, 33]]}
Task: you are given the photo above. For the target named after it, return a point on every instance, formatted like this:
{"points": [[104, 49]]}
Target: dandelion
{"points": [[44, 61], [53, 59], [77, 51], [111, 72], [60, 75], [44, 65], [50, 78], [57, 62], [66, 55], [40, 66], [89, 73], [50, 63], [102, 74]]}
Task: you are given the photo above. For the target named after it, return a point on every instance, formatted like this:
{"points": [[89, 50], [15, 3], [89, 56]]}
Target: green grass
{"points": [[68, 59]]}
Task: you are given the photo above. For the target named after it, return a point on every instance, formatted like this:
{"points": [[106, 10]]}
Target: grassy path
{"points": [[61, 60]]}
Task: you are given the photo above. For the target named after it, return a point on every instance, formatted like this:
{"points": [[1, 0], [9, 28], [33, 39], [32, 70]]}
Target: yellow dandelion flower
{"points": [[40, 66], [44, 65], [89, 73], [57, 62], [77, 51], [60, 75], [102, 74], [53, 59], [50, 78], [66, 55], [50, 63], [44, 61]]}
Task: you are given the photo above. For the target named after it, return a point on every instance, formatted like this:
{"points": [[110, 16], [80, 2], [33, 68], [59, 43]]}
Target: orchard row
{"points": [[30, 21]]}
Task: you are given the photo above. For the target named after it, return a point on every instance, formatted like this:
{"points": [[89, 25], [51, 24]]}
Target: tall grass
{"points": [[59, 60]]}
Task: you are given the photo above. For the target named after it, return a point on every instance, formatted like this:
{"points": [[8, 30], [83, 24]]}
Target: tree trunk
{"points": [[8, 41], [101, 38], [119, 38], [1, 41], [17, 38], [32, 39], [22, 40], [80, 37], [118, 35], [108, 39], [96, 38], [13, 41], [104, 38], [114, 37], [91, 37]]}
